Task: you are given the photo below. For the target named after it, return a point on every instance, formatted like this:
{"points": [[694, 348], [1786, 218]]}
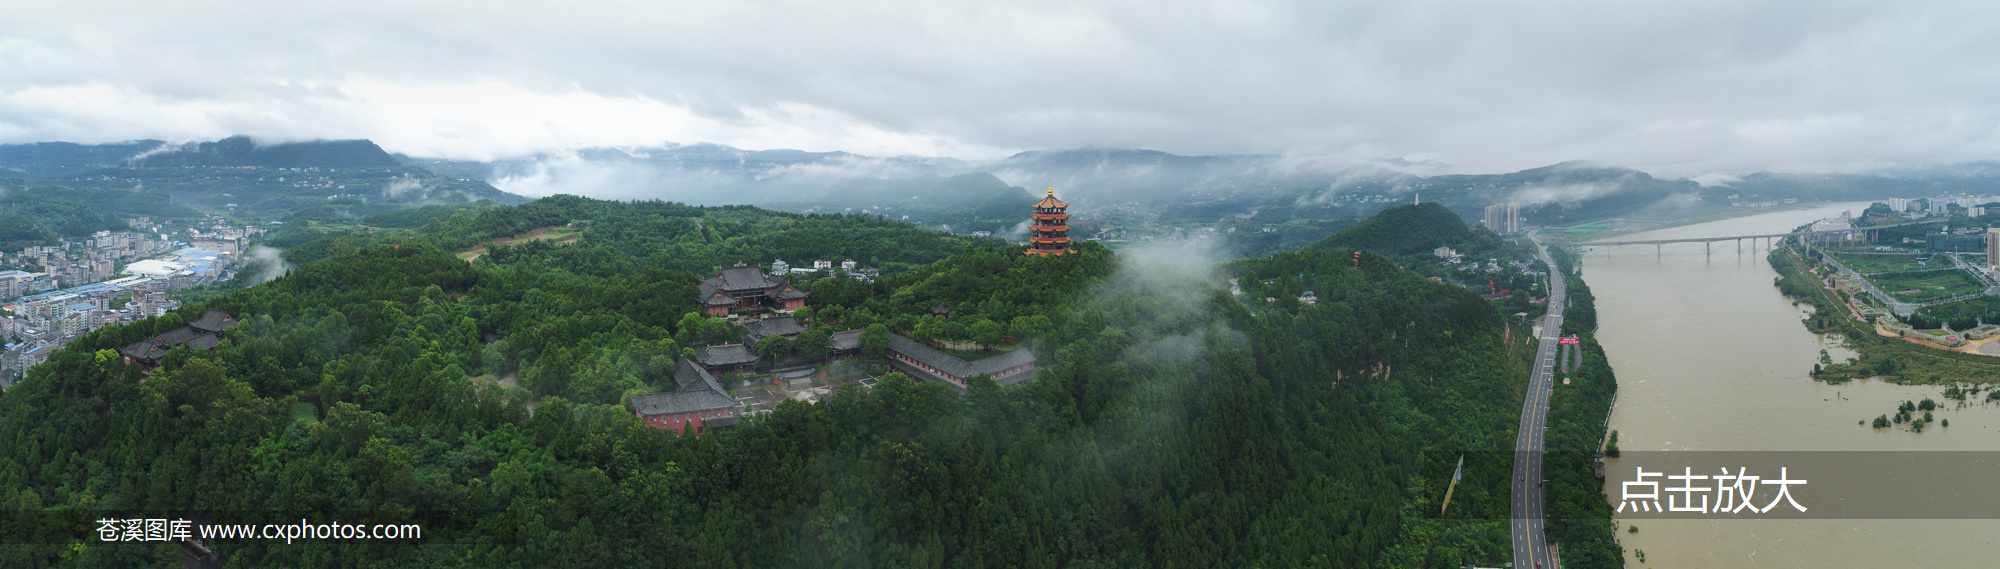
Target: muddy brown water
{"points": [[1710, 357]]}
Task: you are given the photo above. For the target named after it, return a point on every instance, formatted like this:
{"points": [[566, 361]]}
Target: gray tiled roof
{"points": [[725, 355], [1003, 361], [698, 392], [743, 278], [922, 353], [177, 336], [711, 293], [144, 349], [952, 364], [780, 326], [213, 321], [691, 377], [203, 334], [846, 340], [204, 341]]}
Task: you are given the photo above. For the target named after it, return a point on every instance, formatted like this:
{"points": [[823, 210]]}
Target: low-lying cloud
{"points": [[406, 188], [267, 263], [1565, 194], [1488, 87], [1715, 179]]}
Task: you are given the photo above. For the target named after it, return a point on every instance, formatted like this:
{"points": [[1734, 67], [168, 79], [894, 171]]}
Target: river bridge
{"points": [[1868, 232]]}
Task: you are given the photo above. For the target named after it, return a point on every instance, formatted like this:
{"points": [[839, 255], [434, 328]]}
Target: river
{"points": [[1710, 357]]}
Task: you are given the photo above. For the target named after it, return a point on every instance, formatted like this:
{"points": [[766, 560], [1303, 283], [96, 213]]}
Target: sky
{"points": [[1680, 88]]}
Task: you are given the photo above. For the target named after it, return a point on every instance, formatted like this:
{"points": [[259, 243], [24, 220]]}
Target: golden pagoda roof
{"points": [[1051, 201]]}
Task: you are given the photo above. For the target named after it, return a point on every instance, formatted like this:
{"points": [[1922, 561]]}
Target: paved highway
{"points": [[1531, 545]]}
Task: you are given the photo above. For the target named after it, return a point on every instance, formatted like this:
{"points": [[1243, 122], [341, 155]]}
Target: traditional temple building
{"points": [[924, 363], [726, 358], [786, 327], [845, 343], [697, 402], [741, 289], [1049, 235], [201, 334]]}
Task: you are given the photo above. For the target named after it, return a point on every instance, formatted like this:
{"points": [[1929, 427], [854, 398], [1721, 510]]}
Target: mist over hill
{"points": [[252, 180], [242, 151], [1172, 188], [355, 178]]}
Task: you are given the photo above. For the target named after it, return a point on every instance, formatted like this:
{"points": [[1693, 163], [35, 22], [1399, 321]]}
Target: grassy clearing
{"points": [[1886, 263], [557, 233], [307, 411], [1928, 286]]}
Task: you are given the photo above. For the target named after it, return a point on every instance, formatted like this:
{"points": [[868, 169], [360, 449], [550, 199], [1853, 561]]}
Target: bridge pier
{"points": [[1707, 249]]}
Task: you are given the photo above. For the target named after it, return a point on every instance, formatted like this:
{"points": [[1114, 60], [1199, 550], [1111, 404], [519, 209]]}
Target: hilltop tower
{"points": [[1049, 235]]}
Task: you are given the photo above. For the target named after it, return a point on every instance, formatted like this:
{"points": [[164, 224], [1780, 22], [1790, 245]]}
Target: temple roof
{"points": [[955, 366], [780, 326], [214, 321], [725, 355], [789, 292], [845, 340], [204, 342], [740, 278], [203, 334], [698, 392], [1051, 201], [145, 350]]}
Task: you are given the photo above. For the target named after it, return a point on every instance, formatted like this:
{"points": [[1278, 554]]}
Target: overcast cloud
{"points": [[1677, 88]]}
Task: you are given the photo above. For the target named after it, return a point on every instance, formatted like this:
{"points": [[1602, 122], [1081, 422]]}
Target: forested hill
{"points": [[40, 215], [1403, 230], [248, 180], [976, 201], [680, 237], [59, 158], [67, 158], [241, 151], [1170, 424]]}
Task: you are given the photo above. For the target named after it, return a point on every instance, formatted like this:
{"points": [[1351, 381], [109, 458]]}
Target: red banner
{"points": [[1569, 341]]}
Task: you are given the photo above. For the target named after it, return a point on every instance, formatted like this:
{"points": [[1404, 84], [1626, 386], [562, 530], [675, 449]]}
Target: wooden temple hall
{"points": [[921, 362], [1049, 234], [740, 289]]}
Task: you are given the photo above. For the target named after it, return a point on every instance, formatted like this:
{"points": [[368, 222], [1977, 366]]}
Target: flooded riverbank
{"points": [[1709, 356]]}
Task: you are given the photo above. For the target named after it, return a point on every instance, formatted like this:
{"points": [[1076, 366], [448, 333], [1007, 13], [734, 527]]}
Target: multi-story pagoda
{"points": [[1049, 234]]}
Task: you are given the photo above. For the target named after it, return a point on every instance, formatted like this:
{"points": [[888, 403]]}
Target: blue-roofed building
{"points": [[34, 356]]}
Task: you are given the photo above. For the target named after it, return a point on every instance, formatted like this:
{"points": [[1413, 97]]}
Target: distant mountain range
{"points": [[56, 159], [234, 176], [938, 191], [1174, 187]]}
